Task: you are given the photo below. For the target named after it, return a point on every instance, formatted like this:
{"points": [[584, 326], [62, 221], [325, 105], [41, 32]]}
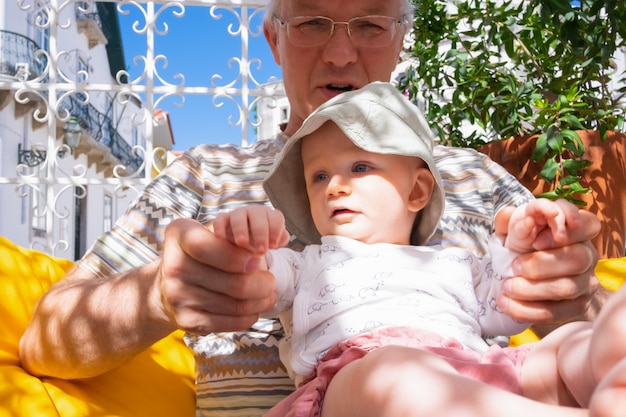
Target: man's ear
{"points": [[422, 189], [271, 35]]}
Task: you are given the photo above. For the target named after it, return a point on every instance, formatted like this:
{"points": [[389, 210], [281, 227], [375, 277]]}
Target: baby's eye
{"points": [[361, 167], [319, 177]]}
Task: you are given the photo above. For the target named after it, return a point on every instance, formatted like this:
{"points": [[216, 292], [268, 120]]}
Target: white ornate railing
{"points": [[65, 78]]}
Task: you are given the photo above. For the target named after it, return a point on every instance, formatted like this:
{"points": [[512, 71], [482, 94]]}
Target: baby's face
{"points": [[355, 193]]}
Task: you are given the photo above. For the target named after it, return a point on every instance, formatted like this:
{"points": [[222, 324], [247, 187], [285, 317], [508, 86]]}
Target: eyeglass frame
{"points": [[285, 25]]}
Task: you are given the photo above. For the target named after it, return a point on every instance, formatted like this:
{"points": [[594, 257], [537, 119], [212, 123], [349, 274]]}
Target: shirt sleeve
{"points": [[476, 189], [494, 269], [284, 264], [137, 236]]}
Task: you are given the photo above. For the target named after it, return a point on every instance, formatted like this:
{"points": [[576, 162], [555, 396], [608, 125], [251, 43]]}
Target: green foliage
{"points": [[489, 70]]}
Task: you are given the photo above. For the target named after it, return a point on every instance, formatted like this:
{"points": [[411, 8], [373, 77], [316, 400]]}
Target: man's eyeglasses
{"points": [[369, 31]]}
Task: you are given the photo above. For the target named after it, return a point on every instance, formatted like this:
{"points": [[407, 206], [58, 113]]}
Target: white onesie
{"points": [[331, 292]]}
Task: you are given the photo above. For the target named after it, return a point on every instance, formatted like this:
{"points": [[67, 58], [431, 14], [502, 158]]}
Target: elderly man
{"points": [[159, 269]]}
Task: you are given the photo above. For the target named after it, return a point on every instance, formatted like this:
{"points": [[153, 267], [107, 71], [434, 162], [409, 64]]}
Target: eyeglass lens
{"points": [[372, 31]]}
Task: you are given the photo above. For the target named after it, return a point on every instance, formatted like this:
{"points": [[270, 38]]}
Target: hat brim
{"points": [[376, 118]]}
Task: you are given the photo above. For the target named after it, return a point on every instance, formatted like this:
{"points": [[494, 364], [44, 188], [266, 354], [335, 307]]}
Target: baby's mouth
{"points": [[338, 212]]}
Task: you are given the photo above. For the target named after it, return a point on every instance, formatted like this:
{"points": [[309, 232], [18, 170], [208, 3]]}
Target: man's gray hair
{"points": [[406, 10]]}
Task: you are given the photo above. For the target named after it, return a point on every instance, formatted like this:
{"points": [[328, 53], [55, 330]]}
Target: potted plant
{"points": [[541, 72]]}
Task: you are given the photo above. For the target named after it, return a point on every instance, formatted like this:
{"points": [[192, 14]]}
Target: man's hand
{"points": [[556, 283], [209, 284]]}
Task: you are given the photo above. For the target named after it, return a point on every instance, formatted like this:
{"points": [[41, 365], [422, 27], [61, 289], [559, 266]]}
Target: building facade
{"points": [[60, 78]]}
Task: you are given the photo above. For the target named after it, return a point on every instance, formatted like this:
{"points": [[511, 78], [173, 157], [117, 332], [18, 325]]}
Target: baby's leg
{"points": [[608, 355], [403, 381], [558, 369], [587, 352], [609, 399], [608, 344]]}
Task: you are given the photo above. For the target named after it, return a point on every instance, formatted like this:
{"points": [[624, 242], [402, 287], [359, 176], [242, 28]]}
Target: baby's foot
{"points": [[609, 397]]}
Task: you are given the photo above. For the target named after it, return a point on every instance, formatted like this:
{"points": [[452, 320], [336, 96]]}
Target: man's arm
{"points": [[84, 326]]}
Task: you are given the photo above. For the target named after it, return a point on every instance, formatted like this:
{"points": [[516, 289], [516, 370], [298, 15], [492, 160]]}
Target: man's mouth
{"points": [[340, 87]]}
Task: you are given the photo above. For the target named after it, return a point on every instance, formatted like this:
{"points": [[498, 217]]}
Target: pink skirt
{"points": [[498, 366]]}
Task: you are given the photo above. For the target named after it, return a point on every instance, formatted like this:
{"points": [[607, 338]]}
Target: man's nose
{"points": [[339, 50]]}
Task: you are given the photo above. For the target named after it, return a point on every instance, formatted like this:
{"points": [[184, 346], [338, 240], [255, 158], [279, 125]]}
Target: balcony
{"points": [[104, 146], [19, 61], [17, 57], [88, 22]]}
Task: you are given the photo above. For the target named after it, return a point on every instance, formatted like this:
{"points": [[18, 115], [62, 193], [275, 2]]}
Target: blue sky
{"points": [[198, 46]]}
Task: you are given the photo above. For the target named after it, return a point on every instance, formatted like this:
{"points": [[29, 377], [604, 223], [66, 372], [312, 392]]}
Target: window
{"points": [[38, 210], [284, 114], [82, 70], [107, 213], [41, 24], [135, 136], [39, 30]]}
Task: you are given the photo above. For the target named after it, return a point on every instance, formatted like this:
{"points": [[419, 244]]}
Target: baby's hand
{"points": [[254, 227], [540, 221]]}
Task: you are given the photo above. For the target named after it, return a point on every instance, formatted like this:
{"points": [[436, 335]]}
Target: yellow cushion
{"points": [[610, 272], [158, 382]]}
